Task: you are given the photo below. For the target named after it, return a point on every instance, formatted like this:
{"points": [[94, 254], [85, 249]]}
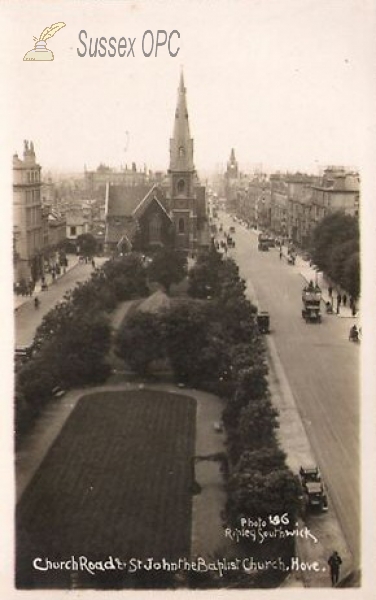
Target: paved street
{"points": [[27, 318], [322, 369]]}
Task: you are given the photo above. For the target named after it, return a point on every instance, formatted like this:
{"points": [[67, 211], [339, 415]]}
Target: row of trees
{"points": [[71, 344], [335, 250], [211, 341], [258, 481]]}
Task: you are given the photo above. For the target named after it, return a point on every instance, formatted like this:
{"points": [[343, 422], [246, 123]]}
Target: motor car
{"points": [[314, 495]]}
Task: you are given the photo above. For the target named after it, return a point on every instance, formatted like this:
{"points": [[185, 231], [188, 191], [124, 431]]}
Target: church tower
{"points": [[182, 177], [232, 166]]}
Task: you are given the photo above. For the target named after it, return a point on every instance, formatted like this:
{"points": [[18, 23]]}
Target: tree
{"points": [[338, 259], [334, 230], [76, 353], [167, 267], [184, 328], [254, 428], [253, 493], [35, 381], [87, 244], [203, 277], [351, 275], [125, 276], [139, 341], [264, 460]]}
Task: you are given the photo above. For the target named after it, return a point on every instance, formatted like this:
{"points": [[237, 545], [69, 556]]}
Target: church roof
{"points": [[123, 199], [132, 201], [154, 194], [126, 205]]}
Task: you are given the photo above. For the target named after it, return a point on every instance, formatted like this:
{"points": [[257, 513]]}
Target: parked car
{"points": [[314, 495]]}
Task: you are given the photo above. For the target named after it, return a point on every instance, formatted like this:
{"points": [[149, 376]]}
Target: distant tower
{"points": [[232, 166], [182, 176]]}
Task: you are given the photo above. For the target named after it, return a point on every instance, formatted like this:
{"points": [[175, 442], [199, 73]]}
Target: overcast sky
{"points": [[288, 83]]}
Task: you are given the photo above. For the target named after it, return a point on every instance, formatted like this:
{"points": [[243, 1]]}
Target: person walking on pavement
{"points": [[330, 292], [334, 563], [344, 299], [339, 300]]}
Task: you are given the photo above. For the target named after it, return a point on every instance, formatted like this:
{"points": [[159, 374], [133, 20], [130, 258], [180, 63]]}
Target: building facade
{"points": [[27, 216]]}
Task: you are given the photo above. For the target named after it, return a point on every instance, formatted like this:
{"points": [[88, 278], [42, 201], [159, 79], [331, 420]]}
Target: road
{"points": [[322, 368], [27, 318]]}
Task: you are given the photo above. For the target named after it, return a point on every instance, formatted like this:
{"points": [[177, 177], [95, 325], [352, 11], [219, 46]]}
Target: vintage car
{"points": [[263, 321], [314, 495]]}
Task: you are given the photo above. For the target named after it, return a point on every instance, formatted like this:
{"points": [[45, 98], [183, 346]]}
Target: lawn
{"points": [[116, 482]]}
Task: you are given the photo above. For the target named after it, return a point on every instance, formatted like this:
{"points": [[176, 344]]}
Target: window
{"points": [[155, 228], [73, 230], [181, 186], [181, 226]]}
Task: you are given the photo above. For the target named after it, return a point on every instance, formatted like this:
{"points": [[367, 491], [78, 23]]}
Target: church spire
{"points": [[181, 144]]}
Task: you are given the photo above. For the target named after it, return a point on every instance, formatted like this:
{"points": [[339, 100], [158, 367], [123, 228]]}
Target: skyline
{"points": [[288, 84]]}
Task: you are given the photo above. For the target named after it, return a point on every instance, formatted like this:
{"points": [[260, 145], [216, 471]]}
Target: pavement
{"points": [[19, 300], [311, 273], [27, 318]]}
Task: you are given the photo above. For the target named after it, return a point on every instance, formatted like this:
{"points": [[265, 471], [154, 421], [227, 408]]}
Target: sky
{"points": [[289, 84]]}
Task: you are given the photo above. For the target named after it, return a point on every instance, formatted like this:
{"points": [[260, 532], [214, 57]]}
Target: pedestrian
{"points": [[353, 309], [339, 300], [280, 255], [330, 291], [93, 263], [344, 299], [334, 563]]}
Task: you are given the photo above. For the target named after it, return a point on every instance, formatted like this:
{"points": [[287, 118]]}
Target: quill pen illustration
{"points": [[40, 51], [48, 32]]}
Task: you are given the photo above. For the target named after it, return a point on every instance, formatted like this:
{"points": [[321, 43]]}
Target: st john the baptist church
{"points": [[143, 218]]}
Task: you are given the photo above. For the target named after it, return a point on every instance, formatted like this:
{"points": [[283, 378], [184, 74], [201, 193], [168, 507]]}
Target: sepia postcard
{"points": [[188, 284]]}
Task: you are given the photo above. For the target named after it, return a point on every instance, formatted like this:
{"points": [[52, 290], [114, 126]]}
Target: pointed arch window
{"points": [[181, 226], [155, 228]]}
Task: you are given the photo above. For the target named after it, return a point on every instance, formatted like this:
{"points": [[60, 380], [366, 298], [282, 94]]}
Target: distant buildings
{"points": [[103, 175], [77, 222], [290, 205]]}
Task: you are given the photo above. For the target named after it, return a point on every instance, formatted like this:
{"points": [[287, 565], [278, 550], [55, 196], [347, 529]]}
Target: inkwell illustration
{"points": [[40, 51]]}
